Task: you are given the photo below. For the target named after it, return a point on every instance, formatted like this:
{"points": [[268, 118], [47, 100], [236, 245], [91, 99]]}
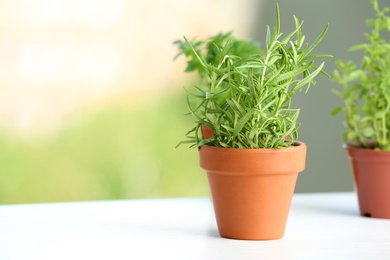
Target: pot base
{"points": [[252, 207]]}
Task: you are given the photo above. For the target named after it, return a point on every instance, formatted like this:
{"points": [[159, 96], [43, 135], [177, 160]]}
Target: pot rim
{"points": [[252, 161], [366, 154], [349, 146]]}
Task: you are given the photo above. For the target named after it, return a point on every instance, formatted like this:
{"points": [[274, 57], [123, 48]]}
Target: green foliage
{"points": [[366, 90], [244, 94], [211, 50]]}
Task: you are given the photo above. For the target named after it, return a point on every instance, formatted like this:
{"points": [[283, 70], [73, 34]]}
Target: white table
{"points": [[320, 226]]}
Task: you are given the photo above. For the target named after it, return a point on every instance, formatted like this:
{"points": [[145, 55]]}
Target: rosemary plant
{"points": [[366, 90], [244, 94]]}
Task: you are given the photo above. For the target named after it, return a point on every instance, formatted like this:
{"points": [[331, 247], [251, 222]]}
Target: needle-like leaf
{"points": [[244, 93]]}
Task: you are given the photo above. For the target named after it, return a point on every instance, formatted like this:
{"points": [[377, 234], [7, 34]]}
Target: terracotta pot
{"points": [[371, 171], [207, 132], [252, 189]]}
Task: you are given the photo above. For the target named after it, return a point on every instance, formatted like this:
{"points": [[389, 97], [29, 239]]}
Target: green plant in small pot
{"points": [[366, 96], [246, 128]]}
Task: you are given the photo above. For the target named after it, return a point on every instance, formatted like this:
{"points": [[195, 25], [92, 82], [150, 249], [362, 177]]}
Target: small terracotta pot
{"points": [[207, 132], [252, 189], [371, 171]]}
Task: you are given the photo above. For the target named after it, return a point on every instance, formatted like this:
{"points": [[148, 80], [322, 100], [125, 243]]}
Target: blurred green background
{"points": [[92, 104], [118, 151]]}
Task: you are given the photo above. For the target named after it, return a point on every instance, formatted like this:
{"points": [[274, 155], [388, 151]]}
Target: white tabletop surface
{"points": [[320, 226]]}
